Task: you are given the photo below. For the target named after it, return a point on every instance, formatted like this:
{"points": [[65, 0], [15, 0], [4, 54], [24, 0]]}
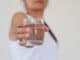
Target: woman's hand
{"points": [[23, 34], [26, 33]]}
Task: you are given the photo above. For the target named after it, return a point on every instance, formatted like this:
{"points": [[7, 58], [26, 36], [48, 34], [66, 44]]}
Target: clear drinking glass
{"points": [[38, 34]]}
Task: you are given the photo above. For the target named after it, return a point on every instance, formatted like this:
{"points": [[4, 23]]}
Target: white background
{"points": [[63, 16]]}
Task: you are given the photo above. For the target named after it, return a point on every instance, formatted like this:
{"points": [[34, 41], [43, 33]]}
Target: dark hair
{"points": [[51, 33]]}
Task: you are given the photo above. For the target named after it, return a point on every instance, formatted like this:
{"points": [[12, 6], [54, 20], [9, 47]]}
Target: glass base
{"points": [[37, 42]]}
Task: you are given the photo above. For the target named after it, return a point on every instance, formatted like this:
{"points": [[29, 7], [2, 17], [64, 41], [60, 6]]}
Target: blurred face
{"points": [[36, 4]]}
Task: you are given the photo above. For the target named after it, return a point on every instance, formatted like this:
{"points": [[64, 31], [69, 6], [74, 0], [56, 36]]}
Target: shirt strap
{"points": [[51, 33]]}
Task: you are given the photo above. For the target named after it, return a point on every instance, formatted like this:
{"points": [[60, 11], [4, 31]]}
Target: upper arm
{"points": [[15, 20]]}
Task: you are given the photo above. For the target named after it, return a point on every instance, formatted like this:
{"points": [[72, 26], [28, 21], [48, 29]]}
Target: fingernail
{"points": [[46, 29], [28, 29], [27, 35]]}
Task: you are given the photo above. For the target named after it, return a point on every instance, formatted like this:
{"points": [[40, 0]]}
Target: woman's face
{"points": [[36, 4]]}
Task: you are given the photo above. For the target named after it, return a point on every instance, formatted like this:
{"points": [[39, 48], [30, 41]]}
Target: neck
{"points": [[37, 14]]}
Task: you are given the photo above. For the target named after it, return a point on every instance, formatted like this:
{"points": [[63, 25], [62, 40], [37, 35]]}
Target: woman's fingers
{"points": [[28, 29], [25, 35], [46, 29], [19, 30], [20, 36], [22, 42], [23, 30]]}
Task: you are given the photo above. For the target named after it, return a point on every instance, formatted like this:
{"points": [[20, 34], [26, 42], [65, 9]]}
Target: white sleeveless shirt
{"points": [[47, 51]]}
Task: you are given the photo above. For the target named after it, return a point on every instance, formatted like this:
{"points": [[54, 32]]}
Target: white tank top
{"points": [[47, 51]]}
